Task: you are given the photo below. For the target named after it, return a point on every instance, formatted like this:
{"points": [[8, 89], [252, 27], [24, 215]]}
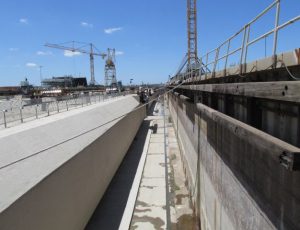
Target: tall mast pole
{"points": [[93, 82], [192, 33]]}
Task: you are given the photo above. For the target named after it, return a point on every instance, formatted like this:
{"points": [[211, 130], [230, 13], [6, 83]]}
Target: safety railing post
{"points": [[226, 58], [206, 66], [57, 106], [216, 62], [48, 109], [243, 48], [36, 112], [200, 68], [4, 118], [276, 33], [21, 114]]}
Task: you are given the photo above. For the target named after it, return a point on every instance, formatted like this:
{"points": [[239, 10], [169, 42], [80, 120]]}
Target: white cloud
{"points": [[24, 21], [13, 49], [112, 30], [85, 24], [119, 53], [42, 53], [69, 53], [30, 64]]}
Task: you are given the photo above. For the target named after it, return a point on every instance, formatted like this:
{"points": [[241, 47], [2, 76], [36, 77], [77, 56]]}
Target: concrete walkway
{"points": [[144, 194], [150, 207], [163, 201]]}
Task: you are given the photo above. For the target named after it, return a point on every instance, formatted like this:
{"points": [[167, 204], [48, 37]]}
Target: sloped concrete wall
{"points": [[66, 197], [234, 172]]}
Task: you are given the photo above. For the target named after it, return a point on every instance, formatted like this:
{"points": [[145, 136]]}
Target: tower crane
{"points": [[192, 56], [81, 49], [191, 66]]}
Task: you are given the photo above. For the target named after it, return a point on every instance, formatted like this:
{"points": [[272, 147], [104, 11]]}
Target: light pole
{"points": [[41, 76]]}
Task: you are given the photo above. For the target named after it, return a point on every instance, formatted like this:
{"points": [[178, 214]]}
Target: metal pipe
{"points": [[233, 36], [247, 45], [57, 106], [21, 114], [206, 66], [36, 112], [276, 32], [264, 12], [260, 37], [289, 22], [232, 52], [4, 118], [243, 47], [227, 54], [246, 37], [276, 27], [215, 62], [200, 68]]}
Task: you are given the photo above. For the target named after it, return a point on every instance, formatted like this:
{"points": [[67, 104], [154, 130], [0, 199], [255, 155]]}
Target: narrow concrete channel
{"points": [[157, 198], [110, 209], [163, 200]]}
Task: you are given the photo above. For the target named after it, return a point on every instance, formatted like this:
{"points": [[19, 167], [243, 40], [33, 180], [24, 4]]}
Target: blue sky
{"points": [[149, 36]]}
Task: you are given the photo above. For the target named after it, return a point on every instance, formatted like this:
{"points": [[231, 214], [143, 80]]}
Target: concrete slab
{"points": [[152, 196], [153, 182], [157, 140], [156, 148], [157, 135], [154, 167]]}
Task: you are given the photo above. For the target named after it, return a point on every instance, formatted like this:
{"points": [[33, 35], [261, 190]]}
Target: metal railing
{"points": [[22, 113], [246, 43]]}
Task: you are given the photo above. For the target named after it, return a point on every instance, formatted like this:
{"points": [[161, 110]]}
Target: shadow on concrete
{"points": [[150, 109], [109, 211]]}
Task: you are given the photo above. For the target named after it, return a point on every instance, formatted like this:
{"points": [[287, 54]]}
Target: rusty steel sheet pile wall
{"points": [[234, 171]]}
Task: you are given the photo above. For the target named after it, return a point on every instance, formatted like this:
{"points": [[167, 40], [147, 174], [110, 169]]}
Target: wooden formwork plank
{"points": [[282, 91], [285, 154]]}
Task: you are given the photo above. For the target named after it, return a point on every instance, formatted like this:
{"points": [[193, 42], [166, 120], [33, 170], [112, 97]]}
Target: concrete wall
{"points": [[234, 171], [66, 198]]}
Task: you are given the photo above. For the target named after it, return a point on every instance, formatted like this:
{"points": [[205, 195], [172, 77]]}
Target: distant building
{"points": [[64, 82], [10, 90], [24, 88]]}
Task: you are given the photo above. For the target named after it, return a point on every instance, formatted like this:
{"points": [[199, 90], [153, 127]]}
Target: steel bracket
{"points": [[290, 160]]}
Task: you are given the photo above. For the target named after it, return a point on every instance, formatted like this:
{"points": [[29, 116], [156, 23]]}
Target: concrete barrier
{"points": [[60, 187], [234, 171]]}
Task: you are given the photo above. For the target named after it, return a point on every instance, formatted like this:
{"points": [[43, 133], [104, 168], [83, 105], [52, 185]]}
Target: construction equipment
{"points": [[81, 49], [191, 66], [110, 69], [192, 34]]}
